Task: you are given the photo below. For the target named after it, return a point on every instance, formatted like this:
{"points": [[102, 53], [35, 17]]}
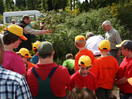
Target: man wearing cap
{"points": [[12, 84], [27, 31], [35, 57], [92, 43], [80, 43], [105, 69], [12, 38], [47, 79], [125, 70], [26, 57], [83, 77], [114, 38]]}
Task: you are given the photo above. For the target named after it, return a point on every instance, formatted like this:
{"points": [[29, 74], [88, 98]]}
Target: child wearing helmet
{"points": [[35, 57], [83, 77], [80, 42], [25, 56], [105, 69]]}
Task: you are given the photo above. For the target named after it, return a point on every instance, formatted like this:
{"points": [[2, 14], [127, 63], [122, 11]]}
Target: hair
{"points": [[25, 17], [84, 93], [89, 34], [45, 55], [69, 56], [107, 22], [9, 37], [129, 47], [81, 43]]}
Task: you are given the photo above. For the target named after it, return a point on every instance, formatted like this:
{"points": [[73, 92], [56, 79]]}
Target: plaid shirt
{"points": [[13, 85]]}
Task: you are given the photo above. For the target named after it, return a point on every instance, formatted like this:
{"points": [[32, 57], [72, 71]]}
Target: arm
{"points": [[121, 81], [22, 90], [29, 30]]}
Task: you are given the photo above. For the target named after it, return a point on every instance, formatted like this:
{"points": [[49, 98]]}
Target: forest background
{"points": [[69, 18]]}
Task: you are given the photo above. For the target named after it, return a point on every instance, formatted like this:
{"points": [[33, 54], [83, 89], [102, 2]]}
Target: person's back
{"points": [[46, 79], [35, 58], [69, 63], [12, 38], [80, 44], [105, 69], [92, 43], [12, 84]]}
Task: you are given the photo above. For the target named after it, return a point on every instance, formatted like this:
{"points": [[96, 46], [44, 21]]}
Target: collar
{"points": [[110, 30], [81, 73]]}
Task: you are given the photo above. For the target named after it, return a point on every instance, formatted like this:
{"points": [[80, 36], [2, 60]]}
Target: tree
{"points": [[1, 6], [20, 4]]}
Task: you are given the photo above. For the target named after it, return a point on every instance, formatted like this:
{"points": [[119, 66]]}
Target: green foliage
{"points": [[123, 12], [67, 25]]}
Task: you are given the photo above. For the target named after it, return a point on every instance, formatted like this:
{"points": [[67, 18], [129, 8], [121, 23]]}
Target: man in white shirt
{"points": [[92, 43]]}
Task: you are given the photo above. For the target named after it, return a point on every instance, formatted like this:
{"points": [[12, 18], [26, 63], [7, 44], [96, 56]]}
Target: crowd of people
{"points": [[97, 67]]}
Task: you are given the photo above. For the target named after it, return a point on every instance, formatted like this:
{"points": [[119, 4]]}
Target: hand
{"points": [[47, 31]]}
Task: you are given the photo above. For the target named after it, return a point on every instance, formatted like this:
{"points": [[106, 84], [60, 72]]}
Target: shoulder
{"points": [[76, 74], [10, 76]]}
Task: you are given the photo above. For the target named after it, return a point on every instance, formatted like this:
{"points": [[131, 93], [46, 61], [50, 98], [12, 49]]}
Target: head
{"points": [[24, 53], [69, 56], [32, 24], [80, 41], [26, 19], [1, 50], [106, 25], [35, 46], [104, 46], [45, 50], [81, 93], [13, 21], [125, 47], [84, 64], [13, 34], [89, 34]]}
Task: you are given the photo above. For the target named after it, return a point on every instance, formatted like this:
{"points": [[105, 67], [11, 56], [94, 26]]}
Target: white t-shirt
{"points": [[93, 43]]}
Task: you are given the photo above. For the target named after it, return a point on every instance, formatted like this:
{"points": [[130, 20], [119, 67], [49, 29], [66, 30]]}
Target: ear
{"points": [[76, 45], [53, 53]]}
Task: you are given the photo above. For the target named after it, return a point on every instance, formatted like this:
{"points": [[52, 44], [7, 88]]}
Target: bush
{"points": [[68, 26]]}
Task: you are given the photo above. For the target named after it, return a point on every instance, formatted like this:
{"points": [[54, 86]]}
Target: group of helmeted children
{"points": [[96, 74]]}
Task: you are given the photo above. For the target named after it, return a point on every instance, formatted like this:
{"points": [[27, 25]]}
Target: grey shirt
{"points": [[113, 37], [28, 30]]}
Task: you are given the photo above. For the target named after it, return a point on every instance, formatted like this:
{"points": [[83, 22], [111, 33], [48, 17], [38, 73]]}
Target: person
{"points": [[27, 31], [92, 43], [25, 55], [114, 38], [83, 77], [125, 70], [47, 79], [69, 63], [12, 38], [13, 21], [80, 42], [81, 93], [12, 84], [105, 69], [35, 57]]}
